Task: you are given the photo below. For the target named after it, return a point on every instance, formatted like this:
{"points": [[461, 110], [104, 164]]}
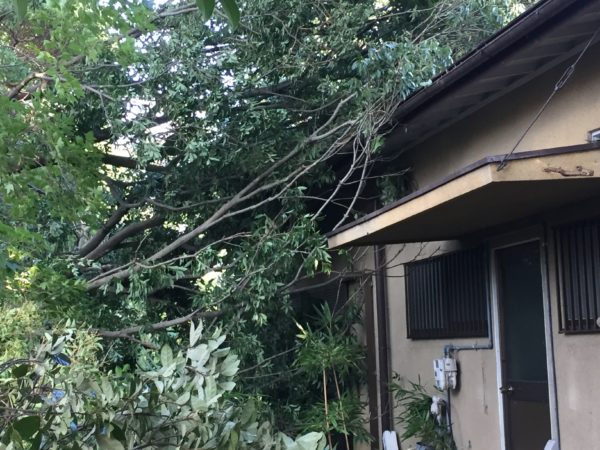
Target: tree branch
{"points": [[249, 191], [130, 163], [14, 92], [128, 231], [125, 333], [134, 32], [111, 160], [112, 221]]}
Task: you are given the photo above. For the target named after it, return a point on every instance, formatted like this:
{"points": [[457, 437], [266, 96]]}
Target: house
{"points": [[494, 259]]}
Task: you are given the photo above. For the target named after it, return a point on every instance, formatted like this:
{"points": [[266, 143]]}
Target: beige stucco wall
{"points": [[493, 131], [578, 385], [475, 405]]}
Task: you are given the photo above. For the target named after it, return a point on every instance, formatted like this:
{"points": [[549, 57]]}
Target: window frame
{"points": [[582, 262], [439, 303]]}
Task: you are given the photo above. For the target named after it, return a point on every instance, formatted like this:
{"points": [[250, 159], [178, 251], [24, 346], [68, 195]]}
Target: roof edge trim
{"points": [[465, 170], [519, 28]]}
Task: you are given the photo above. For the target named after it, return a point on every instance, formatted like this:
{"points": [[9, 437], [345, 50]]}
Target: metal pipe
{"points": [[450, 349], [449, 414], [381, 302], [552, 367]]}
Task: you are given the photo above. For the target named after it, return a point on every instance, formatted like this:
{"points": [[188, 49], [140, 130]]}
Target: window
{"points": [[578, 273], [446, 296]]}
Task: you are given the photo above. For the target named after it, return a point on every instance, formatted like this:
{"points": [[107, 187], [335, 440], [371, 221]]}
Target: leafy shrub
{"points": [[417, 419], [61, 398]]}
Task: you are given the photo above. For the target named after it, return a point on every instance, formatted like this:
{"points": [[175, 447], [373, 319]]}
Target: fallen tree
{"points": [[157, 166]]}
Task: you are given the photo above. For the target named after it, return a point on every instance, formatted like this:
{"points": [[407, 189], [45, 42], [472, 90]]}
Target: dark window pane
{"points": [[522, 303], [578, 273], [446, 296]]}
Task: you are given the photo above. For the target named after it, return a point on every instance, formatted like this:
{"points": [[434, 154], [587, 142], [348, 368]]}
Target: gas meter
{"points": [[446, 373]]}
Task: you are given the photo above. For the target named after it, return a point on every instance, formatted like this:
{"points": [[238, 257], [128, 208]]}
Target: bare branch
{"points": [[127, 332], [252, 189], [128, 231], [14, 92], [130, 163], [270, 358], [113, 220]]}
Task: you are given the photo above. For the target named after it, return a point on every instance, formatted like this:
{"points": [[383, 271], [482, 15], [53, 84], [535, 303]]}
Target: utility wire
{"points": [[557, 87]]}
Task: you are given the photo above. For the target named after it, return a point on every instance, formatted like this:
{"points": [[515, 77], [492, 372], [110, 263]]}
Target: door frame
{"points": [[531, 235]]}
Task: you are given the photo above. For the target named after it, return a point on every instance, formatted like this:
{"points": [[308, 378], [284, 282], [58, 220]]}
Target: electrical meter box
{"points": [[446, 373]]}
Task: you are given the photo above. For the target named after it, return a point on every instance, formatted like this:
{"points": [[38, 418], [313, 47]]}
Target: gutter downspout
{"points": [[545, 254], [385, 399]]}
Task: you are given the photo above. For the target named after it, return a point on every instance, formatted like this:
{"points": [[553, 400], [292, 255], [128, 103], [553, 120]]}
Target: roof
{"points": [[546, 35], [535, 181], [551, 33]]}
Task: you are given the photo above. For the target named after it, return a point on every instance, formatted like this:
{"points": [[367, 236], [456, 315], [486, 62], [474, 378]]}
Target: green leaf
{"points": [[198, 355], [213, 344], [27, 426], [185, 397], [195, 333], [36, 442], [234, 438], [206, 7], [232, 12], [227, 385], [288, 442], [20, 371], [166, 356], [106, 443], [117, 433], [229, 366], [309, 441], [20, 8], [248, 414], [15, 437]]}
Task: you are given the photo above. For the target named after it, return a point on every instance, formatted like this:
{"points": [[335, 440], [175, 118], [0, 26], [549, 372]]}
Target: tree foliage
{"points": [[161, 162], [173, 400]]}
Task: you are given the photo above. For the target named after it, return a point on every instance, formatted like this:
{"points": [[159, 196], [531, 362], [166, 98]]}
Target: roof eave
{"points": [[502, 40]]}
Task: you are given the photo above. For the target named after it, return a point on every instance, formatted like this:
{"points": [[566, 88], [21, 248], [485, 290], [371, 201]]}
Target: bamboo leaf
{"points": [[20, 7]]}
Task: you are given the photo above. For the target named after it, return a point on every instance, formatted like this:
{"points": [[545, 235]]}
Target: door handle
{"points": [[507, 389]]}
